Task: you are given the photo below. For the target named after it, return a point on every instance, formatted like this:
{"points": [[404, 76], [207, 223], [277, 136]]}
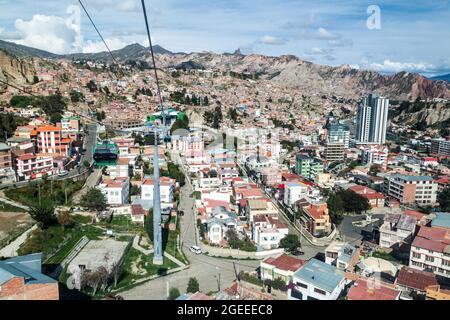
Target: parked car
{"points": [[63, 173], [298, 252], [196, 249]]}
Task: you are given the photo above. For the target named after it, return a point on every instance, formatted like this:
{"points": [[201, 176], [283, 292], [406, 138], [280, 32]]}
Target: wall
{"points": [[227, 252]]}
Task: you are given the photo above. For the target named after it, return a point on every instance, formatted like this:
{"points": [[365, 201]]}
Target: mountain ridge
{"points": [[287, 70]]}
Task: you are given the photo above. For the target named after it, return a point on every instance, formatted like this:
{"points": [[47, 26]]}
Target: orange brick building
{"points": [[21, 279]]}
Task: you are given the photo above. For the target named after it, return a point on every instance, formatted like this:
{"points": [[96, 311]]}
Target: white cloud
{"points": [[395, 66], [342, 42], [271, 40], [114, 43], [50, 33], [318, 51]]}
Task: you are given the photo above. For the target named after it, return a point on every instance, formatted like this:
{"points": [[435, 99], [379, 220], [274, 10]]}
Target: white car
{"points": [[63, 173], [195, 249]]}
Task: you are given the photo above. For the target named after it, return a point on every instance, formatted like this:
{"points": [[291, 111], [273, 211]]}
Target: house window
{"points": [[445, 262], [417, 255], [429, 258], [296, 294], [302, 285], [319, 291]]}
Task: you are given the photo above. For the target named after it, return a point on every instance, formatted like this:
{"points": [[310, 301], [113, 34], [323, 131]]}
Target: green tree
{"points": [[43, 212], [94, 199], [444, 200], [92, 86], [290, 242], [86, 164], [35, 79], [148, 224], [336, 208], [173, 293], [232, 114], [354, 202], [193, 286], [76, 96], [374, 169], [55, 117]]}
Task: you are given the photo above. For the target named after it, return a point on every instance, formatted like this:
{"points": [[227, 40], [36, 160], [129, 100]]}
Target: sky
{"points": [[386, 36]]}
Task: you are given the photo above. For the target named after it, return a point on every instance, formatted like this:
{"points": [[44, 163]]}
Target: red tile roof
{"points": [[432, 238], [137, 210], [285, 262], [362, 290], [415, 279], [26, 156]]}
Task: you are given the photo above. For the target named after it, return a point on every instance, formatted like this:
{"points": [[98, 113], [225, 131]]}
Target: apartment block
{"points": [[430, 251], [308, 167], [411, 189], [440, 147], [30, 166]]}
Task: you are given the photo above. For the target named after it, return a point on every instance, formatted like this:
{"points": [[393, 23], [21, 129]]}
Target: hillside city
{"points": [[261, 191]]}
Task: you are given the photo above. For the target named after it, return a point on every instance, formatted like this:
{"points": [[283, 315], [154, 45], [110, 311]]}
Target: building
{"points": [[267, 231], [316, 280], [334, 151], [117, 191], [430, 251], [308, 167], [167, 189], [342, 255], [21, 278], [315, 219], [440, 147], [121, 169], [375, 199], [375, 155], [437, 293], [372, 119], [258, 206], [411, 189], [51, 142], [413, 283], [70, 127], [281, 267], [371, 289], [7, 174], [220, 221], [397, 230], [339, 133], [294, 191], [107, 253], [30, 166]]}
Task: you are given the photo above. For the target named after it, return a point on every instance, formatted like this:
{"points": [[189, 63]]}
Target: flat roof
{"points": [[320, 274]]}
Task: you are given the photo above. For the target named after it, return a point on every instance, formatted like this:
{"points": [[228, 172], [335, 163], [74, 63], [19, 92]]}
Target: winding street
{"points": [[212, 273]]}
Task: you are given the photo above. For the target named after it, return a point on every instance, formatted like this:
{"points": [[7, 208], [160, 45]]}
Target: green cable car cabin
{"points": [[106, 153]]}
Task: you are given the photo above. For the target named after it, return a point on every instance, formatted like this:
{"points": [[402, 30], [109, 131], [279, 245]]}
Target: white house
{"points": [[342, 255], [116, 190], [120, 169], [167, 188], [316, 280], [267, 231], [219, 223], [293, 192], [396, 230]]}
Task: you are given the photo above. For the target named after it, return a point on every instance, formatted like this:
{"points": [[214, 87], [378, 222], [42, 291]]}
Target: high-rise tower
{"points": [[372, 118]]}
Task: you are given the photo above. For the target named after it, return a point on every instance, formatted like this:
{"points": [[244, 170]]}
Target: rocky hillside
{"points": [[422, 115], [18, 71]]}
